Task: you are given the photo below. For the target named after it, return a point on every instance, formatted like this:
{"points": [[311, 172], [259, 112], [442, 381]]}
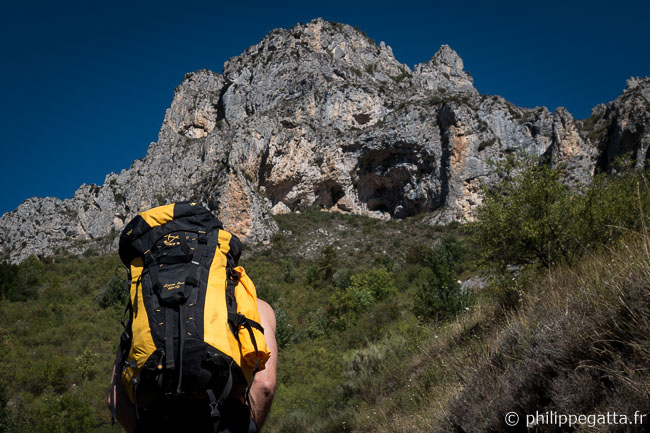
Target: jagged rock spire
{"points": [[320, 115]]}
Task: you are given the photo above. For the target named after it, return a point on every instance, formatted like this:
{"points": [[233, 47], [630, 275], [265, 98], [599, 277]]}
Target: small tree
{"points": [[365, 288], [526, 218], [530, 217], [438, 294]]}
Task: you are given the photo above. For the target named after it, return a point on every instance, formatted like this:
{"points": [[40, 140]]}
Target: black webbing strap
{"points": [[128, 308], [239, 320], [152, 264], [184, 247], [169, 337], [138, 283], [135, 381], [249, 326], [193, 275], [172, 260], [217, 404], [182, 309], [232, 279]]}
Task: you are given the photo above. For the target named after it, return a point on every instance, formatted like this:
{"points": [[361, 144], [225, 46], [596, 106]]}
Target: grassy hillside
{"points": [[375, 332], [57, 345], [60, 319]]}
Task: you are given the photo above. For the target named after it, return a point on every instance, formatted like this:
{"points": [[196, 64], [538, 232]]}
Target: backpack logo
{"points": [[172, 240], [174, 286], [181, 268]]}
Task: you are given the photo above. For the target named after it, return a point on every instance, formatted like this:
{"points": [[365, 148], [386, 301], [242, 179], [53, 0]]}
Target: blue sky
{"points": [[85, 85]]}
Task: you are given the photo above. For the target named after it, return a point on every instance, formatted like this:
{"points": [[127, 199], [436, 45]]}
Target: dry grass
{"points": [[413, 390], [580, 344]]}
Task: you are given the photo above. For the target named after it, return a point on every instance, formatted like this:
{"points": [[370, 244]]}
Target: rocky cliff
{"points": [[320, 115]]}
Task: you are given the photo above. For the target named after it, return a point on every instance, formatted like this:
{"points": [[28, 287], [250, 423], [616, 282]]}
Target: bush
{"points": [[530, 217], [288, 271], [63, 413], [362, 367], [8, 274], [364, 289], [613, 205], [4, 412], [341, 278], [377, 281], [112, 293], [86, 364], [316, 323], [525, 218], [20, 282], [328, 262], [284, 333], [438, 294]]}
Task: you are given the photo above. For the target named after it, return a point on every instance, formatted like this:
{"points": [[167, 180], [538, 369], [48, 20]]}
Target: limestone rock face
{"points": [[320, 115], [444, 71], [621, 129]]}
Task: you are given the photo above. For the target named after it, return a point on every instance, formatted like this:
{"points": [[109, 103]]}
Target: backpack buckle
{"points": [[148, 257], [214, 404]]}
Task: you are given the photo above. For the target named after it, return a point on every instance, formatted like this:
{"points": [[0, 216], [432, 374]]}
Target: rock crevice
{"points": [[320, 115]]}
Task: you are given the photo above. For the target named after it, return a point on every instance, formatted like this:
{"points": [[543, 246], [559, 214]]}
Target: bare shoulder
{"points": [[266, 314]]}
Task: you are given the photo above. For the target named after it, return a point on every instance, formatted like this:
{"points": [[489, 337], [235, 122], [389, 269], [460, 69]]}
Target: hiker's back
{"points": [[193, 340]]}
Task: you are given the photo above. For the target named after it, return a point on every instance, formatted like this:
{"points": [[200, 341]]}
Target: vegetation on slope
{"points": [[375, 332]]}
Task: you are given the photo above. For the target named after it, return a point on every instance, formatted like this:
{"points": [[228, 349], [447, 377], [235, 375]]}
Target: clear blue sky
{"points": [[85, 85]]}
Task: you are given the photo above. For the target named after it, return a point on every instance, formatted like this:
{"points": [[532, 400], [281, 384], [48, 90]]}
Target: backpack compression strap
{"points": [[242, 321], [216, 404], [237, 320]]}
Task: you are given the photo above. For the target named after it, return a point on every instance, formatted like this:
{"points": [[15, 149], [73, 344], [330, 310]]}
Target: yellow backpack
{"points": [[193, 329]]}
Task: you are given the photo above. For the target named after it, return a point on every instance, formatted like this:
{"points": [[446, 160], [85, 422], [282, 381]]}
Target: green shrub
{"points": [[4, 412], [526, 218], [346, 304], [312, 276], [531, 217], [317, 323], [62, 414], [288, 275], [364, 289], [284, 333], [328, 262], [23, 280], [8, 274], [86, 364], [613, 205], [362, 367], [112, 293], [55, 373], [341, 278], [438, 294], [377, 281]]}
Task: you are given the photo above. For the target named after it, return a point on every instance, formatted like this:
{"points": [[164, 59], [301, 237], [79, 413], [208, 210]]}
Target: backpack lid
{"points": [[147, 227]]}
